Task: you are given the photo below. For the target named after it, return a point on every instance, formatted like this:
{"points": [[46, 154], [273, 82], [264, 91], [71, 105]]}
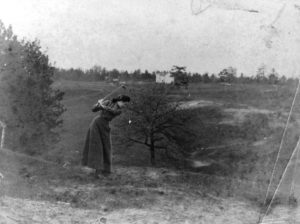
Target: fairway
{"points": [[238, 183]]}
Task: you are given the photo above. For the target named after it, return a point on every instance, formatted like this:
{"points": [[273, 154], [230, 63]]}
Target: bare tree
{"points": [[157, 120]]}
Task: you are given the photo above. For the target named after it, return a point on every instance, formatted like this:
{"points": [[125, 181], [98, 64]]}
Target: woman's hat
{"points": [[123, 98]]}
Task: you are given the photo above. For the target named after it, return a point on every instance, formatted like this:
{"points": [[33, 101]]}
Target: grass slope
{"points": [[136, 193]]}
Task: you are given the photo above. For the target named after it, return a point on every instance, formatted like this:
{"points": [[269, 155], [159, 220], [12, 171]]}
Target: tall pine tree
{"points": [[32, 108]]}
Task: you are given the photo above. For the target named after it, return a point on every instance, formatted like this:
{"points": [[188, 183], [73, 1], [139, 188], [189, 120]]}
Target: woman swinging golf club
{"points": [[97, 153]]}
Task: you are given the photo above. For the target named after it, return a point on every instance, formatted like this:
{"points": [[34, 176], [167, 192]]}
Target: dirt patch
{"points": [[282, 214], [16, 210], [174, 208], [198, 103], [234, 115], [130, 195], [238, 115]]}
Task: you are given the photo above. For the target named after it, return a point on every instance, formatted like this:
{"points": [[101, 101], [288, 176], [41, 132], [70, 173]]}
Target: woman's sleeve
{"points": [[96, 107], [110, 106]]}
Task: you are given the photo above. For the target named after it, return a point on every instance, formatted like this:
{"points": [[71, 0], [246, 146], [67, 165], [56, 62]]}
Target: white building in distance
{"points": [[164, 77]]}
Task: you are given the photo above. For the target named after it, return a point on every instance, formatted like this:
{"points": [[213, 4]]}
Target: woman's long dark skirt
{"points": [[97, 148]]}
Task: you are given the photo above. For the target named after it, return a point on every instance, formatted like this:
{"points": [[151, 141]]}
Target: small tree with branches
{"points": [[157, 121]]}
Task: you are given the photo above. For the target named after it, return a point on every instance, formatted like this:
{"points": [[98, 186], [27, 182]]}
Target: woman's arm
{"points": [[106, 105]]}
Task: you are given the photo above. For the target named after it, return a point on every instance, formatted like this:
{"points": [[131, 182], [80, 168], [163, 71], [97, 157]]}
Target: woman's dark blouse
{"points": [[108, 109]]}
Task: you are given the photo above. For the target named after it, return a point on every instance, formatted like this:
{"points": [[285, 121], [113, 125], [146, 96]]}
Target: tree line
{"points": [[227, 75], [98, 73]]}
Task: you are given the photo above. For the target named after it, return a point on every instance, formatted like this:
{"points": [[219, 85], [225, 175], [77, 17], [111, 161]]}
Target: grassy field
{"points": [[232, 114], [240, 125], [247, 121], [248, 118]]}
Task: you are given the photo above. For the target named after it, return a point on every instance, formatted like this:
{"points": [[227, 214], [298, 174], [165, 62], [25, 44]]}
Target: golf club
{"points": [[96, 106], [114, 91]]}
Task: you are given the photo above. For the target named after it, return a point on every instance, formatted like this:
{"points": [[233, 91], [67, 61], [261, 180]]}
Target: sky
{"points": [[156, 34]]}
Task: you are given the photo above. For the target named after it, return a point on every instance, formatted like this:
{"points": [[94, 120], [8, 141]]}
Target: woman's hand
{"points": [[100, 101], [98, 106]]}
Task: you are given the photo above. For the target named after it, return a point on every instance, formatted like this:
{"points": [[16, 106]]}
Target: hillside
{"points": [[36, 192], [241, 124]]}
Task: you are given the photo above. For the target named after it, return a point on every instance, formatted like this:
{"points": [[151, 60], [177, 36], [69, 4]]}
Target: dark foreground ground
{"points": [[37, 192]]}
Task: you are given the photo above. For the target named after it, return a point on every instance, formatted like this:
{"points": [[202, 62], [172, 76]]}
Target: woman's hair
{"points": [[123, 98]]}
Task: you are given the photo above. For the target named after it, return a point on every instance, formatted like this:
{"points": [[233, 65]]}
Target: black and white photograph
{"points": [[150, 111]]}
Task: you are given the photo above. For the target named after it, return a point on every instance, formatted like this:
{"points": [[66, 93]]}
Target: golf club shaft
{"points": [[114, 91]]}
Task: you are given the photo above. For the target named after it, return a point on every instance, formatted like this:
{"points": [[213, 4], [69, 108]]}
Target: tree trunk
{"points": [[152, 154]]}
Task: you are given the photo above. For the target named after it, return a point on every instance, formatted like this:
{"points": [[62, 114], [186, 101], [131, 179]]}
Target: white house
{"points": [[164, 77]]}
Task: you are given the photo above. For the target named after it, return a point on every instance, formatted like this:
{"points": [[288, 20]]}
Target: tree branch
{"points": [[160, 147], [137, 141]]}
